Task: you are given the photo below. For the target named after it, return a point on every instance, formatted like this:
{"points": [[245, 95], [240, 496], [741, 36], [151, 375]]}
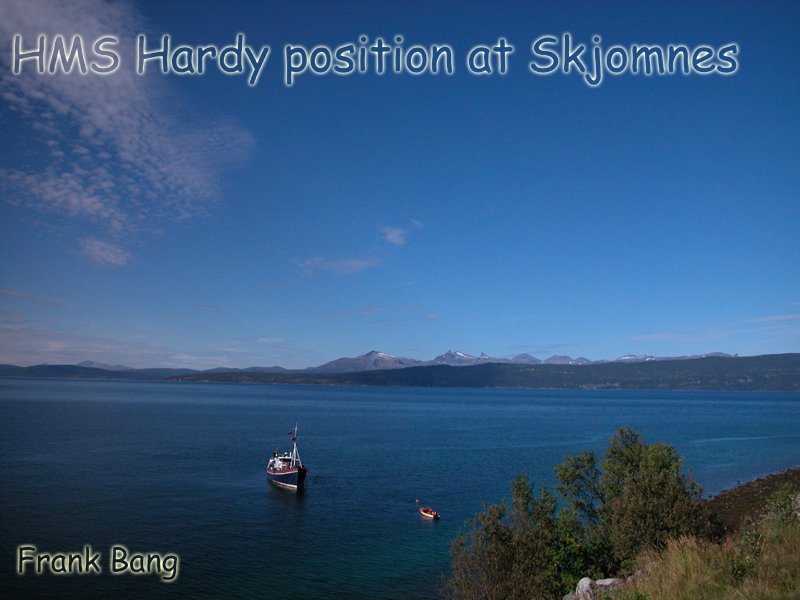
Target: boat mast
{"points": [[295, 455]]}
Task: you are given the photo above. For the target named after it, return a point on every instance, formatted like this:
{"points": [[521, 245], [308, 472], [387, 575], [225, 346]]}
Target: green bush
{"points": [[647, 498], [638, 498], [745, 551], [510, 554]]}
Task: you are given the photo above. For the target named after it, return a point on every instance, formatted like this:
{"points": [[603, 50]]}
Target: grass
{"points": [[758, 561]]}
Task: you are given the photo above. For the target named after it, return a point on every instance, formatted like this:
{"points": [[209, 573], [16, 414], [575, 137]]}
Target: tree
{"points": [[511, 554], [647, 498], [582, 505], [638, 498]]}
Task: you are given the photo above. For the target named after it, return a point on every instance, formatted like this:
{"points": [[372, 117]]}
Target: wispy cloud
{"points": [[104, 253], [116, 156], [22, 345], [341, 266], [29, 298], [689, 337], [776, 319], [398, 236], [363, 311], [773, 327], [395, 235], [27, 345], [271, 350]]}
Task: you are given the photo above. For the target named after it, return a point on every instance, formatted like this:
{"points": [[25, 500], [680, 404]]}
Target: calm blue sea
{"points": [[179, 468]]}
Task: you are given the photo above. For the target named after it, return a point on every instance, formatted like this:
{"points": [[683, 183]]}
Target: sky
{"points": [[197, 221]]}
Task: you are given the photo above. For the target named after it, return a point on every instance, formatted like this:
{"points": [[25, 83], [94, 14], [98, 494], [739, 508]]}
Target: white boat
{"points": [[285, 469], [428, 512]]}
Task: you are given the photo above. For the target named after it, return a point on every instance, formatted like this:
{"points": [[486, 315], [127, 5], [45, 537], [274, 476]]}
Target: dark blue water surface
{"points": [[180, 468]]}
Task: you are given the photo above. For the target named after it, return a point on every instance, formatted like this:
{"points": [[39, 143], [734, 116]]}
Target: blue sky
{"points": [[199, 222]]}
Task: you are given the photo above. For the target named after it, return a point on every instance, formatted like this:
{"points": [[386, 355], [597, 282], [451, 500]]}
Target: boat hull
{"points": [[291, 479]]}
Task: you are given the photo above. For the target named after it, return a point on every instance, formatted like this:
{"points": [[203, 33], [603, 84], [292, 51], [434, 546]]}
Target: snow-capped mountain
{"points": [[371, 361], [374, 360], [458, 359], [106, 367], [629, 358]]}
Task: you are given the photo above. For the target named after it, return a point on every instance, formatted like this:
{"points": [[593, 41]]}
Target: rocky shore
{"points": [[745, 500]]}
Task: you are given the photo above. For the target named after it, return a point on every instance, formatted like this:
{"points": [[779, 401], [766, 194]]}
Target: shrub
{"points": [[647, 498], [638, 498], [509, 554]]}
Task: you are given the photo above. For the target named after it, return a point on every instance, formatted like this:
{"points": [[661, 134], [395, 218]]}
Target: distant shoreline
{"points": [[769, 372], [747, 499]]}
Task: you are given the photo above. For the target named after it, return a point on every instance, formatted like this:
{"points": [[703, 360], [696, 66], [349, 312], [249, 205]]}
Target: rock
{"points": [[569, 597], [609, 585], [594, 590], [586, 590]]}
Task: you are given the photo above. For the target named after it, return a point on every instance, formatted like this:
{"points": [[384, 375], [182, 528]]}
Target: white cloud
{"points": [[69, 192], [117, 155], [104, 253], [395, 235], [399, 235]]}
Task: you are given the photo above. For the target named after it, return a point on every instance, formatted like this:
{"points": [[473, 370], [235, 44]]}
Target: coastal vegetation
{"points": [[635, 513], [760, 561]]}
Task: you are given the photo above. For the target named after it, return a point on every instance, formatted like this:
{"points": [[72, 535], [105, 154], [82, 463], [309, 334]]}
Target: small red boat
{"points": [[428, 512]]}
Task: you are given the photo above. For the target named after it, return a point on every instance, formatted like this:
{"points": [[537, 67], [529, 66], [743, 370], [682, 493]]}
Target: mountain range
{"points": [[379, 361], [769, 372], [374, 361]]}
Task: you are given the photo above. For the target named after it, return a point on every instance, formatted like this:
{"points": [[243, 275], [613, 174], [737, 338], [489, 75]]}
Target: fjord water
{"points": [[180, 468]]}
